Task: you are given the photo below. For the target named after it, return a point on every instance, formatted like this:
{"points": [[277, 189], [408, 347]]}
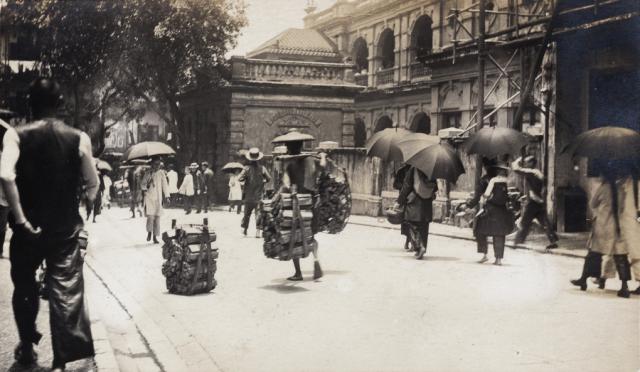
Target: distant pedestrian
{"points": [[493, 218], [106, 195], [43, 166], [235, 192], [200, 188], [156, 191], [606, 236], [254, 175], [535, 206], [96, 207], [398, 181], [416, 196], [187, 188], [172, 179], [209, 186]]}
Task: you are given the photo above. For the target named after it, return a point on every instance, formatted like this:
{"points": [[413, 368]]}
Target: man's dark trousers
{"points": [[4, 214], [249, 207], [70, 325], [534, 210]]}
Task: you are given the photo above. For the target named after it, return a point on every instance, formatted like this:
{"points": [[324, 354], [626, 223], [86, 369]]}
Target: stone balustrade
{"points": [[291, 71]]}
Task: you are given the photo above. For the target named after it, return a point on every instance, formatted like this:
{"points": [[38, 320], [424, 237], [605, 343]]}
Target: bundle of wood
{"points": [[334, 206], [190, 261], [287, 226]]}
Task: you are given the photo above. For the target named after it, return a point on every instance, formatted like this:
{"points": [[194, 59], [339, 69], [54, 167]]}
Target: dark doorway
{"points": [[359, 133], [383, 123], [421, 123]]}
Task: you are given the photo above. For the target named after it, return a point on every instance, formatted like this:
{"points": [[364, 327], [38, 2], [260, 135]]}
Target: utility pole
{"points": [[481, 75]]}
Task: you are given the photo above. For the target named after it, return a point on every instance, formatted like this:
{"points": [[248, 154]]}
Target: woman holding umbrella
{"points": [[235, 191], [494, 218]]}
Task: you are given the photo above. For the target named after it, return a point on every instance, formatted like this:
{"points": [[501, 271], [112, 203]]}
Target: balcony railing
{"points": [[362, 79], [420, 71], [384, 77], [291, 71]]}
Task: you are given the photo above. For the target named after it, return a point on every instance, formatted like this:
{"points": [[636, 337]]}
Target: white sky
{"points": [[267, 18]]}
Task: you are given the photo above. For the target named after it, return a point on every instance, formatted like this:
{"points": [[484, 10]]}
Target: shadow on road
{"points": [[284, 288]]}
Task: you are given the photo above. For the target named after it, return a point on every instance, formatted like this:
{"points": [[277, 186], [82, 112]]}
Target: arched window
{"points": [[383, 123], [421, 123], [360, 55], [386, 47], [359, 133], [422, 37]]}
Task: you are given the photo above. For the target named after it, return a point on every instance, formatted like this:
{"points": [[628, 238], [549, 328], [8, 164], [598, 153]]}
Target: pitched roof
{"points": [[298, 42]]}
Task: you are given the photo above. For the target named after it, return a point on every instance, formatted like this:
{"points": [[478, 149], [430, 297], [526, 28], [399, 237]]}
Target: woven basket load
{"points": [[190, 261], [278, 223], [334, 205]]}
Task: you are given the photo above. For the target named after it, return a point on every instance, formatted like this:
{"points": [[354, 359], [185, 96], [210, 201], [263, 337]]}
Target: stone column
{"points": [[236, 130], [348, 123]]}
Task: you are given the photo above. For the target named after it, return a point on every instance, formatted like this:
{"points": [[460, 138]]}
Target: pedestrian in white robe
{"points": [[156, 190]]}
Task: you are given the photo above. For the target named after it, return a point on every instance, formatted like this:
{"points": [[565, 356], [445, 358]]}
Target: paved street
{"points": [[377, 308]]}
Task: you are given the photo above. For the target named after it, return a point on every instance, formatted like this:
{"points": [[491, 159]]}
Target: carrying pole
{"points": [[481, 73]]}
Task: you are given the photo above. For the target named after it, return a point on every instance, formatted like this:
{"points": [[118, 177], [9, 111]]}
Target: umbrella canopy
{"points": [[412, 143], [146, 150], [437, 161], [383, 144], [495, 141], [232, 167], [293, 136], [103, 165], [606, 143]]}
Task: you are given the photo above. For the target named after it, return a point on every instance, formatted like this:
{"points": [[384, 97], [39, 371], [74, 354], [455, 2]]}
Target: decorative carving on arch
{"points": [[451, 95], [293, 118]]}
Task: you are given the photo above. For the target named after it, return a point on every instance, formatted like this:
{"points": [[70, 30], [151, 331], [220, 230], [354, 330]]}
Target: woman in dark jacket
{"points": [[494, 218], [398, 181], [416, 196]]}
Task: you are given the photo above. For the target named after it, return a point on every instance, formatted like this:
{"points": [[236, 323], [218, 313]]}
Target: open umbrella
{"points": [[411, 143], [383, 144], [232, 167], [608, 142], [146, 150], [437, 161], [495, 141], [103, 165]]}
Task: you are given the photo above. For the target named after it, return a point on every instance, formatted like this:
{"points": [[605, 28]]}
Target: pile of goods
{"points": [[334, 207], [190, 260], [287, 226]]}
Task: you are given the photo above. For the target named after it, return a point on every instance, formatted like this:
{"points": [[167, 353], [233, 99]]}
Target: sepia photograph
{"points": [[320, 185]]}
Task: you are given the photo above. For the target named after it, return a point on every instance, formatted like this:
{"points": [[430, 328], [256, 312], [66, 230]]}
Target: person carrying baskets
{"points": [[300, 176]]}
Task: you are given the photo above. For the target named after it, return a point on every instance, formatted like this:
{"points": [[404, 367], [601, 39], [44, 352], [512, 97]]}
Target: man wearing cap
{"points": [[535, 206], [46, 224], [209, 187], [300, 170], [254, 175]]}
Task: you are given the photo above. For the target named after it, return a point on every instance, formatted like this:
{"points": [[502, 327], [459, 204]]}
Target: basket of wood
{"points": [[190, 259], [334, 205], [287, 226]]}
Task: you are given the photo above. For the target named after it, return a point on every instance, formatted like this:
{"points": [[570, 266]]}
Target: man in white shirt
{"points": [[172, 177], [47, 224]]}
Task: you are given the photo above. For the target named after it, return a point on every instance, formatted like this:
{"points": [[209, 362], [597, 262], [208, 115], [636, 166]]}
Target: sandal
{"points": [[295, 278]]}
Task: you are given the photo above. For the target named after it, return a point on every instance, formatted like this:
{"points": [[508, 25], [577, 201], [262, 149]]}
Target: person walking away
{"points": [[172, 179], [156, 190], [46, 225], [254, 175], [416, 196], [199, 188], [535, 206], [4, 205], [96, 207], [106, 196], [187, 188], [494, 218], [235, 192], [606, 233], [209, 186], [398, 181], [301, 171]]}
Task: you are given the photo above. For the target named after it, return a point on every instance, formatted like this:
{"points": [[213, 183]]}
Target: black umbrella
{"points": [[437, 161], [606, 143], [383, 144], [495, 141]]}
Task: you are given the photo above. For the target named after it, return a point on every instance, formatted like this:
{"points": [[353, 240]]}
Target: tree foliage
{"points": [[111, 55]]}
